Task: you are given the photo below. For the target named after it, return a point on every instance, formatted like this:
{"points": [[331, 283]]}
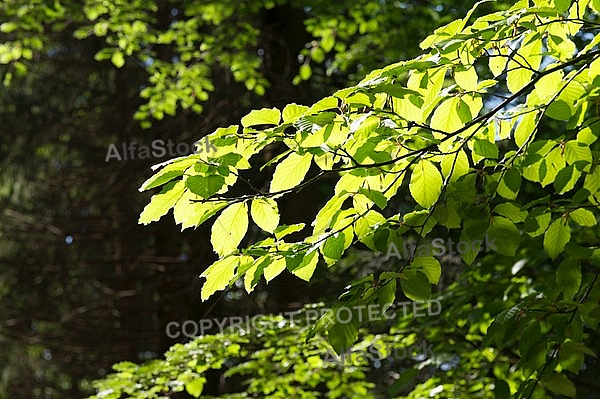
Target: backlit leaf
{"points": [[218, 275], [265, 116], [425, 183], [290, 172], [229, 228], [265, 213], [162, 202], [556, 237]]}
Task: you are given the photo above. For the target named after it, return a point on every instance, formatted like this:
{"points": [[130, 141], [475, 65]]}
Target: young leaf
{"points": [[162, 202], [284, 230], [195, 387], [189, 213], [485, 148], [466, 79], [290, 172], [218, 275], [387, 294], [307, 267], [511, 212], [503, 236], [229, 228], [525, 129], [265, 213], [292, 112], [459, 161], [168, 173], [451, 115], [254, 272], [265, 116], [425, 183], [274, 269], [583, 217]]}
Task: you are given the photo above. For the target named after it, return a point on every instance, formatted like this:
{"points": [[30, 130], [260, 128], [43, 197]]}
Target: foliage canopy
{"points": [[492, 133]]}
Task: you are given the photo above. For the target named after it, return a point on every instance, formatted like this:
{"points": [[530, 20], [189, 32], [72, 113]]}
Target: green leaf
{"points": [[525, 129], [562, 5], [458, 161], [218, 275], [485, 148], [537, 222], [517, 77], [467, 78], [168, 173], [274, 269], [189, 212], [430, 266], [425, 183], [195, 387], [415, 285], [556, 237], [265, 116], [583, 217], [568, 277], [265, 213], [510, 184], [549, 85], [290, 172], [284, 230], [292, 112], [592, 181], [344, 331], [511, 212], [508, 315], [327, 215], [420, 221], [531, 336], [117, 59], [307, 266], [162, 202], [229, 228], [205, 186], [334, 246], [231, 159], [576, 153], [559, 384], [565, 180], [377, 197], [451, 115], [497, 62], [305, 72], [254, 272], [571, 355], [503, 236], [559, 110], [387, 294]]}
